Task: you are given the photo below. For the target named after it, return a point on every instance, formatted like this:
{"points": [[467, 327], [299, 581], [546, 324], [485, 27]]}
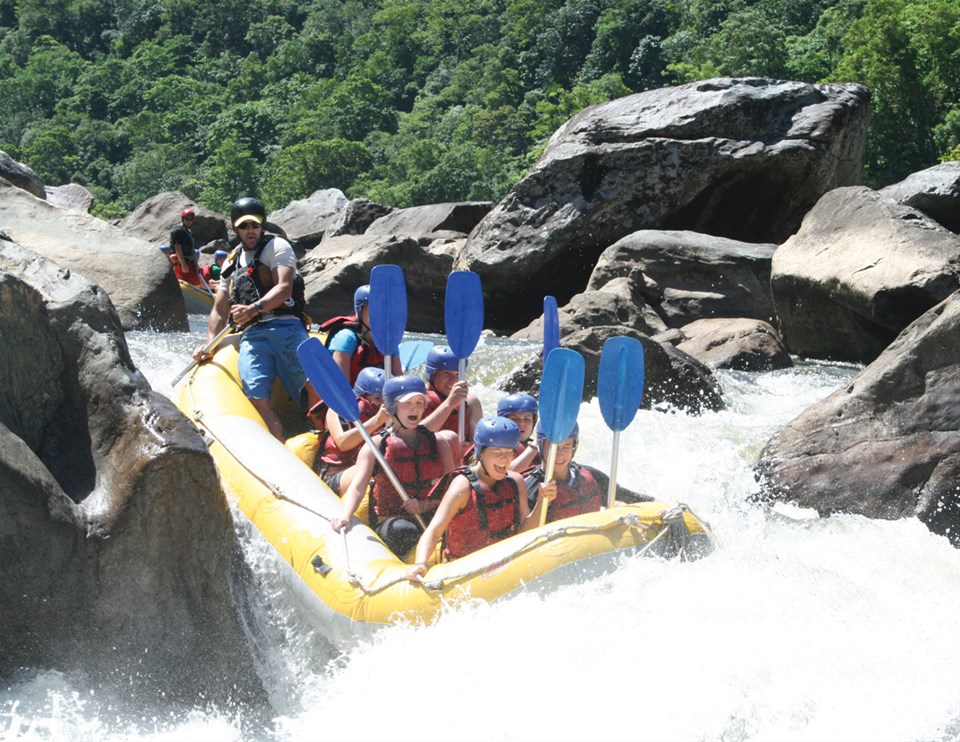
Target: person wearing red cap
{"points": [[181, 245]]}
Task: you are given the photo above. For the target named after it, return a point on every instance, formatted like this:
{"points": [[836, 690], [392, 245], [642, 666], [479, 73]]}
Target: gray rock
{"points": [[356, 217], [305, 221], [934, 191], [71, 196], [136, 276], [888, 444], [861, 268], [738, 344], [334, 269], [689, 276], [425, 220], [19, 175], [115, 537], [671, 377], [157, 216], [739, 158]]}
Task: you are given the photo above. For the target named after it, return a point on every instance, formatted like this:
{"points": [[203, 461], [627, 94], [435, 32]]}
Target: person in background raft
{"points": [[351, 342], [261, 291], [482, 503], [211, 273], [579, 488], [445, 391], [418, 458], [181, 245], [523, 410]]}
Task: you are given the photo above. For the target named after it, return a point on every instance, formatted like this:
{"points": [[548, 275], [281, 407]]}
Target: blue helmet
{"points": [[441, 358], [361, 298], [541, 436], [496, 432], [369, 381], [399, 387], [517, 403]]}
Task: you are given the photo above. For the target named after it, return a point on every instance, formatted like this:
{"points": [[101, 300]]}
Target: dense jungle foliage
{"points": [[408, 102]]}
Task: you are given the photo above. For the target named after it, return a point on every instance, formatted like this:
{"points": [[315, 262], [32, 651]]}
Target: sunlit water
{"points": [[796, 628]]}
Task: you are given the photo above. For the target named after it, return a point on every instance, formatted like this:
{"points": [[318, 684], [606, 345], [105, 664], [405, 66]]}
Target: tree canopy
{"points": [[408, 102]]}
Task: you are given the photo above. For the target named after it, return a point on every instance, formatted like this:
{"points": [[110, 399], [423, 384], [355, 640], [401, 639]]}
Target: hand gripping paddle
{"points": [[333, 387], [463, 322], [388, 311], [620, 389], [561, 391]]}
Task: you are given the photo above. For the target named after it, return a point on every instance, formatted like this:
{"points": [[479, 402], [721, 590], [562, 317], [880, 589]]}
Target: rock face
{"points": [[686, 276], [157, 216], [334, 269], [117, 545], [426, 220], [738, 158], [888, 444], [861, 268], [137, 277], [71, 196], [356, 217], [737, 344], [934, 191], [305, 221], [19, 175]]}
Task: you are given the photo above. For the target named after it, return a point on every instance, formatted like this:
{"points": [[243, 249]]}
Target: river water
{"points": [[796, 628]]}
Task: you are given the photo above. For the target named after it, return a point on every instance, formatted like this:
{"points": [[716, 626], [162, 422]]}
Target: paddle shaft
{"points": [[386, 468], [205, 284], [612, 484], [547, 476], [461, 422], [209, 346]]}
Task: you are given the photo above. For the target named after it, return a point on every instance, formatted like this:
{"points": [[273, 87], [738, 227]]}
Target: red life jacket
{"points": [[491, 514], [365, 355], [417, 469], [452, 424], [330, 455], [582, 496]]}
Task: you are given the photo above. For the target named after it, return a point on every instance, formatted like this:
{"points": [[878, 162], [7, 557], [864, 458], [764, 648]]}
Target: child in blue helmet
{"points": [[578, 488], [417, 456], [482, 503], [445, 391], [524, 411], [351, 342]]}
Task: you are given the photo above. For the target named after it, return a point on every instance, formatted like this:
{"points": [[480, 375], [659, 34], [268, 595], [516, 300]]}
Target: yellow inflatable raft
{"points": [[352, 581], [196, 299]]}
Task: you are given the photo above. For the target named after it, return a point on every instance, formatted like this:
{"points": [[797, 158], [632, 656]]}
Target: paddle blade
{"points": [[551, 325], [328, 379], [620, 382], [463, 312], [388, 307], [413, 353], [561, 391]]}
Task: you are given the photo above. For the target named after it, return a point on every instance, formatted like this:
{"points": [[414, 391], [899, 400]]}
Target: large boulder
{"points": [[306, 220], [934, 191], [334, 269], [887, 445], [739, 158], [20, 175], [137, 277], [71, 196], [356, 217], [861, 268], [154, 219], [738, 344], [460, 217], [689, 276], [119, 553]]}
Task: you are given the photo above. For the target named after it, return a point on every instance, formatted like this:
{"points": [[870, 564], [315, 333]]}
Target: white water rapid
{"points": [[796, 628]]}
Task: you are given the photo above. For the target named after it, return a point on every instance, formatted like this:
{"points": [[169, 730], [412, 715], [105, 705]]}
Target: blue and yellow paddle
{"points": [[336, 392], [620, 390], [463, 322], [561, 391], [388, 311]]}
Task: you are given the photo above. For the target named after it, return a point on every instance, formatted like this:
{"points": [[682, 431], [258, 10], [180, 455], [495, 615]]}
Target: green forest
{"points": [[408, 102]]}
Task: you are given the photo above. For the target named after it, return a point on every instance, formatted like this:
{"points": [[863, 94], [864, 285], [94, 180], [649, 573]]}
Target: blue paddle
{"points": [[463, 322], [561, 391], [333, 387], [620, 389], [413, 353], [388, 311], [551, 325]]}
